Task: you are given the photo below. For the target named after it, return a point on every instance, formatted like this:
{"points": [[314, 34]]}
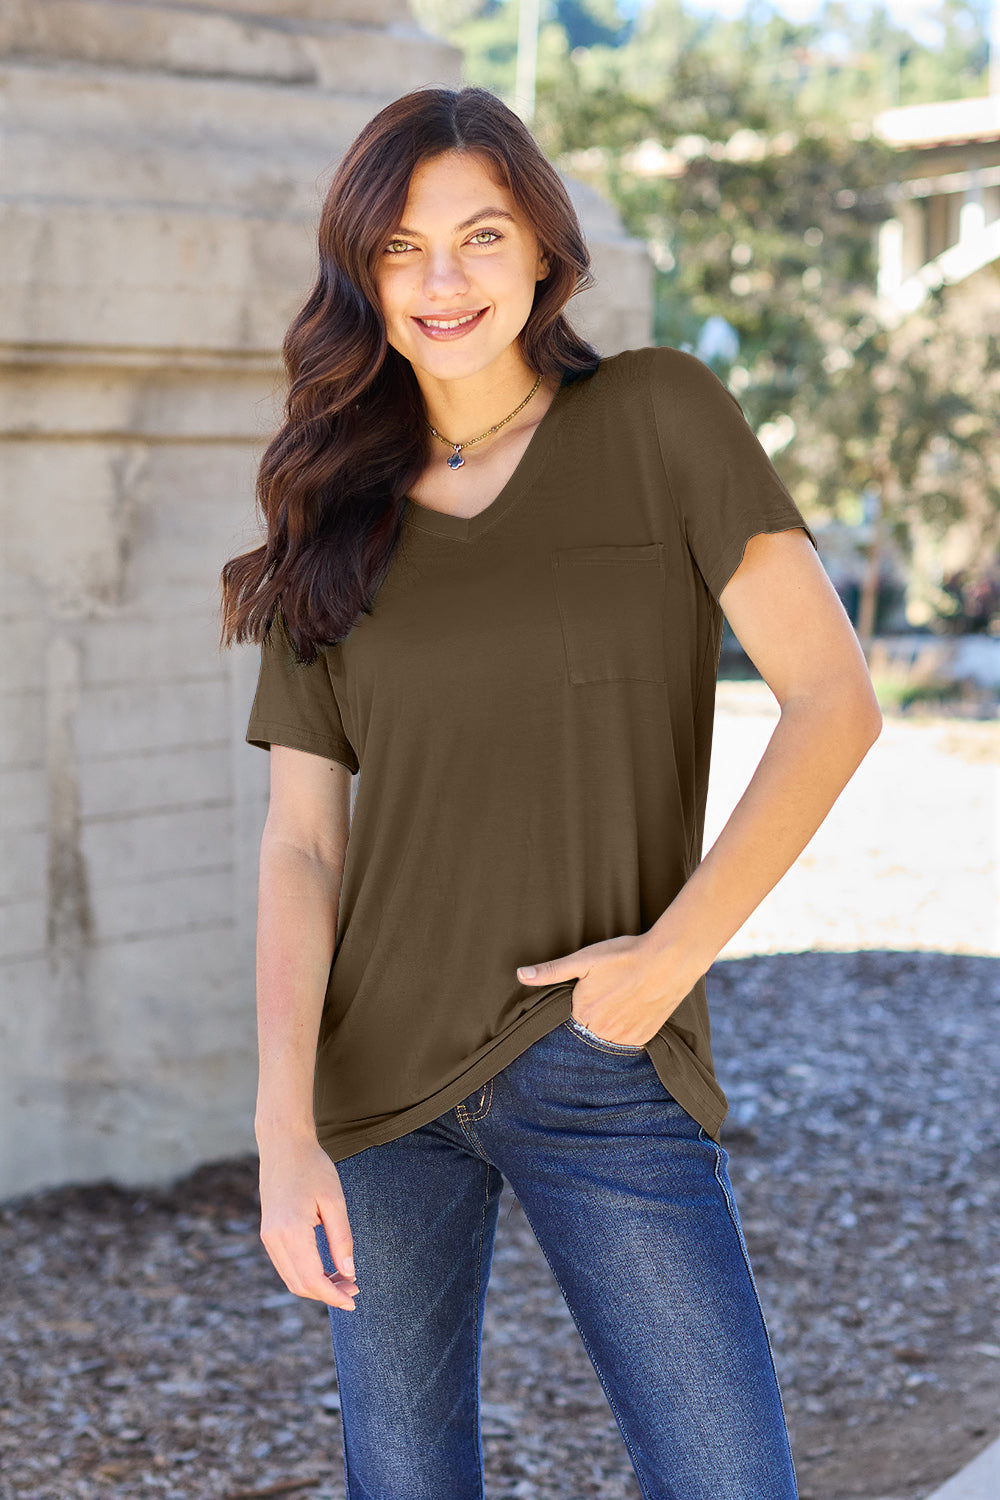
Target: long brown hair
{"points": [[332, 484]]}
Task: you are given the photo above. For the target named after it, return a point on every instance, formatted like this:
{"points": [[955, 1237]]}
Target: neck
{"points": [[462, 409]]}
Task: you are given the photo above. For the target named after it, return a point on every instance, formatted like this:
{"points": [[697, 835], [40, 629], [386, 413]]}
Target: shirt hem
{"points": [[537, 1022], [750, 527], [267, 732], [702, 1103], [708, 1108]]}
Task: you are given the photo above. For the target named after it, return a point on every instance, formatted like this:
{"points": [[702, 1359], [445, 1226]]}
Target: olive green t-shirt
{"points": [[530, 705]]}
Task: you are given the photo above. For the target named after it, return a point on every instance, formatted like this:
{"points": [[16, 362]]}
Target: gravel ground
{"points": [[152, 1349]]}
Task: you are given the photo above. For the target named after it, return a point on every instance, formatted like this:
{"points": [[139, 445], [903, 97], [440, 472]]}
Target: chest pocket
{"points": [[611, 610]]}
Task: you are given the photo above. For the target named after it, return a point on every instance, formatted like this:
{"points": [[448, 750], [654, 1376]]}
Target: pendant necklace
{"points": [[456, 460]]}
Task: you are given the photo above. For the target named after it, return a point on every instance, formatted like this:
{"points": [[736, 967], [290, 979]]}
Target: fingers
{"points": [[343, 1287], [298, 1186], [341, 1248], [295, 1255]]}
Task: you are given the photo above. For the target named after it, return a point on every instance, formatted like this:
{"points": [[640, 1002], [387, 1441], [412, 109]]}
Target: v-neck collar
{"points": [[529, 467]]}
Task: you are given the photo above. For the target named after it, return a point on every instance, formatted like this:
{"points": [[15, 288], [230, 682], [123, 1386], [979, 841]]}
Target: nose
{"points": [[445, 276]]}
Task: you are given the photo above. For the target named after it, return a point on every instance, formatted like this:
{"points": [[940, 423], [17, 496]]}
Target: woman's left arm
{"points": [[786, 615]]}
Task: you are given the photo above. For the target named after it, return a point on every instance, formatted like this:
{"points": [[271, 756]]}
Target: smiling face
{"points": [[463, 248]]}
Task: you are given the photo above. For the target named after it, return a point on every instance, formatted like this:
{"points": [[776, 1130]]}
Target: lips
{"points": [[451, 333]]}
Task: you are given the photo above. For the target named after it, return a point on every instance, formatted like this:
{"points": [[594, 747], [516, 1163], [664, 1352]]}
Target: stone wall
{"points": [[164, 166]]}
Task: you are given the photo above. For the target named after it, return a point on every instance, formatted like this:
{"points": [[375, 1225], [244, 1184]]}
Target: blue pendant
{"points": [[456, 460]]}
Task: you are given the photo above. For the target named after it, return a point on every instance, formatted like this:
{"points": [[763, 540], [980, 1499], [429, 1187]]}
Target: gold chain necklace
{"points": [[456, 460]]}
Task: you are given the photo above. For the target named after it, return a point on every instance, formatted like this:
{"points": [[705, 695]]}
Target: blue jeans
{"points": [[631, 1202]]}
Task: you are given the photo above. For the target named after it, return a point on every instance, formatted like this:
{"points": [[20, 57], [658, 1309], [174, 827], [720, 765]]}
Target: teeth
{"points": [[450, 323]]}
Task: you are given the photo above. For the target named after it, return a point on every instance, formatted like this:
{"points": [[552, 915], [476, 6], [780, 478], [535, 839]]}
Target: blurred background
{"points": [[807, 197], [818, 188]]}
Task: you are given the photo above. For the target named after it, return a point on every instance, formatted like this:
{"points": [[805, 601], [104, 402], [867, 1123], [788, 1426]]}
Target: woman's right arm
{"points": [[301, 862]]}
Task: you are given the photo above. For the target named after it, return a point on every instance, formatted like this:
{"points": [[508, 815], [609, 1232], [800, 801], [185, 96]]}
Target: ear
{"points": [[543, 267]]}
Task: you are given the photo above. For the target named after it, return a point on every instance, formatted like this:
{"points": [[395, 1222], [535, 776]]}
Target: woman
{"points": [[494, 579]]}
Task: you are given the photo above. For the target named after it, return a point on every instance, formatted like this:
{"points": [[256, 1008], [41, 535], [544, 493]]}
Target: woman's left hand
{"points": [[624, 991]]}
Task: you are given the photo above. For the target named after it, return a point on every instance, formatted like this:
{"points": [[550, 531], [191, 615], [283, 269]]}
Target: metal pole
{"points": [[527, 59]]}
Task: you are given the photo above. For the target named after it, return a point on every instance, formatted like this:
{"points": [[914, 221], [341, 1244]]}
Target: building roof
{"points": [[946, 122]]}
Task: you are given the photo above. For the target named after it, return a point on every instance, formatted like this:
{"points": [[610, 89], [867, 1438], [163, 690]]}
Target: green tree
{"points": [[911, 414]]}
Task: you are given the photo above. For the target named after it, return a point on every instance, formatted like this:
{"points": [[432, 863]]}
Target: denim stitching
{"points": [[463, 1123], [466, 1117], [646, 1493], [343, 1431], [599, 1043], [477, 1423], [734, 1216], [485, 1101]]}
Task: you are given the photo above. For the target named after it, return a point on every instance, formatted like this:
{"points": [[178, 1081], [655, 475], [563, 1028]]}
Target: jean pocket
{"points": [[601, 1042], [611, 612]]}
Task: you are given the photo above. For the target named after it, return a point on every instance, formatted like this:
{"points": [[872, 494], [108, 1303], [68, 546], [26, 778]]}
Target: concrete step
{"points": [[979, 1480]]}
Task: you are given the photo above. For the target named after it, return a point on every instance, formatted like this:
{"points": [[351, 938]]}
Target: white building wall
{"points": [[163, 170]]}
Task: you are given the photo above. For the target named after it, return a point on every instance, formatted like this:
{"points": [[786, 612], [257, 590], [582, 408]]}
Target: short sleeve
{"points": [[295, 703], [724, 487]]}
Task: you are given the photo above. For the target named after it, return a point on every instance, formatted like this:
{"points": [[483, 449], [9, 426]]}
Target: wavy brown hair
{"points": [[332, 484]]}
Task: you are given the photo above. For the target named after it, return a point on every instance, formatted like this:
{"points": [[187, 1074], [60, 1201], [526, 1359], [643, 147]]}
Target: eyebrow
{"points": [[484, 213]]}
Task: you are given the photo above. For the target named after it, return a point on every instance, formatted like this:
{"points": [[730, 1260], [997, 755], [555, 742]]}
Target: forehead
{"points": [[456, 177]]}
